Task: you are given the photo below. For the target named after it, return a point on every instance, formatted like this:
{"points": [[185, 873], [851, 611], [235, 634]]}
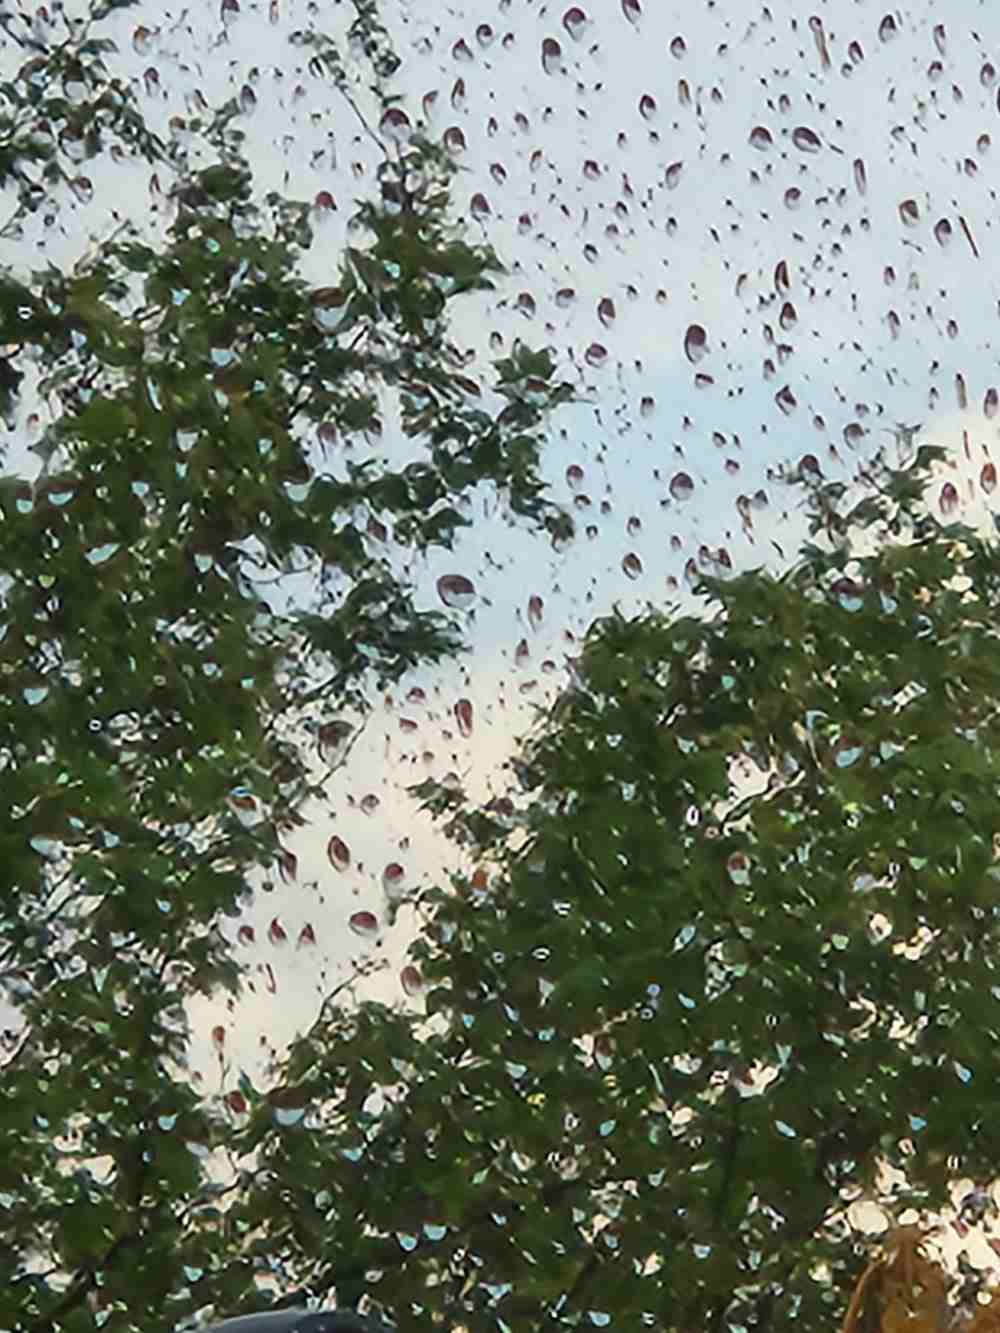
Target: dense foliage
{"points": [[691, 1014], [678, 1016], [215, 427]]}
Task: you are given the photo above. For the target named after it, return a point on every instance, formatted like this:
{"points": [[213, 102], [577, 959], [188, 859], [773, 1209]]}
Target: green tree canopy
{"points": [[681, 1018], [216, 428]]}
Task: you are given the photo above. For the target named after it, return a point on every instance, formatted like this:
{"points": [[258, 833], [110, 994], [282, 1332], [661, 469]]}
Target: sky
{"points": [[751, 233]]}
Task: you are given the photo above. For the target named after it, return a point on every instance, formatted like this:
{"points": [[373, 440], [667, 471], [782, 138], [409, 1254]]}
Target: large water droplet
{"points": [[456, 591]]}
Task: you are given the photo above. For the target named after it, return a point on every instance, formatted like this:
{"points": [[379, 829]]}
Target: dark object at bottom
{"points": [[301, 1321]]}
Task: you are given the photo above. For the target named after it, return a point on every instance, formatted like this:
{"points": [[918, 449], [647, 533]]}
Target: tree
{"points": [[680, 1019], [159, 715]]}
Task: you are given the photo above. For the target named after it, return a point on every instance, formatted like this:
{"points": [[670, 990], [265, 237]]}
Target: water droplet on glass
{"points": [[949, 499], [551, 56], [364, 924], [464, 716], [456, 591], [411, 980], [98, 555], [695, 343], [909, 213], [395, 125], [575, 21], [887, 29], [738, 868], [393, 880], [805, 139], [681, 487], [632, 565], [786, 400], [338, 853], [333, 738], [245, 806], [760, 137]]}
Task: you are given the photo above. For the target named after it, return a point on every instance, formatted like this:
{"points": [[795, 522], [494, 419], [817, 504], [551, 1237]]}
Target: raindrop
{"points": [[98, 555], [949, 500], [793, 197], [673, 176], [551, 55], [647, 106], [738, 868], [606, 311], [942, 231], [806, 140], [847, 752], [395, 125], [887, 29], [574, 476], [632, 10], [456, 591], [678, 47], [535, 608], [988, 478], [786, 400], [463, 717], [860, 178], [760, 137], [909, 213], [575, 21], [276, 933], [244, 806], [333, 738], [393, 880], [364, 924], [990, 404], [695, 343], [632, 565], [338, 853], [411, 980], [307, 936], [681, 487]]}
